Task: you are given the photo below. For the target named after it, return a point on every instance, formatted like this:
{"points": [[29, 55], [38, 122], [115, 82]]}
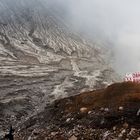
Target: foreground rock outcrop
{"points": [[106, 114]]}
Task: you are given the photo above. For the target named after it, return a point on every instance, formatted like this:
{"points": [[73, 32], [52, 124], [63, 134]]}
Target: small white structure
{"points": [[133, 77]]}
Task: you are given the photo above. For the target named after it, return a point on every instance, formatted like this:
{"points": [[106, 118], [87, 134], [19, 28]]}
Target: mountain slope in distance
{"points": [[42, 59]]}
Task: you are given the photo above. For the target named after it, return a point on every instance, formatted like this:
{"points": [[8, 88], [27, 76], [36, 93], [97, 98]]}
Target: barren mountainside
{"points": [[42, 59]]}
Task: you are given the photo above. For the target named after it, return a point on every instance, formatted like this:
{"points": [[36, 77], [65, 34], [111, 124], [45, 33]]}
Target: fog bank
{"points": [[115, 21]]}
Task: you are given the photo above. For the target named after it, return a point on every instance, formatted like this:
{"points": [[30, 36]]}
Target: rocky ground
{"points": [[108, 114]]}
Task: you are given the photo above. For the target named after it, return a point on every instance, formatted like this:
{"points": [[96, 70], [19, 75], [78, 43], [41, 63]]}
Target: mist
{"points": [[115, 21]]}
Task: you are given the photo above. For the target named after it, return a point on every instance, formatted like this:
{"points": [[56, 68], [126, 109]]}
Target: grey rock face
{"points": [[42, 59]]}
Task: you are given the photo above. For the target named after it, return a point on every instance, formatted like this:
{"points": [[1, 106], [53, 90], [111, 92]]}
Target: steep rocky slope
{"points": [[43, 59]]}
